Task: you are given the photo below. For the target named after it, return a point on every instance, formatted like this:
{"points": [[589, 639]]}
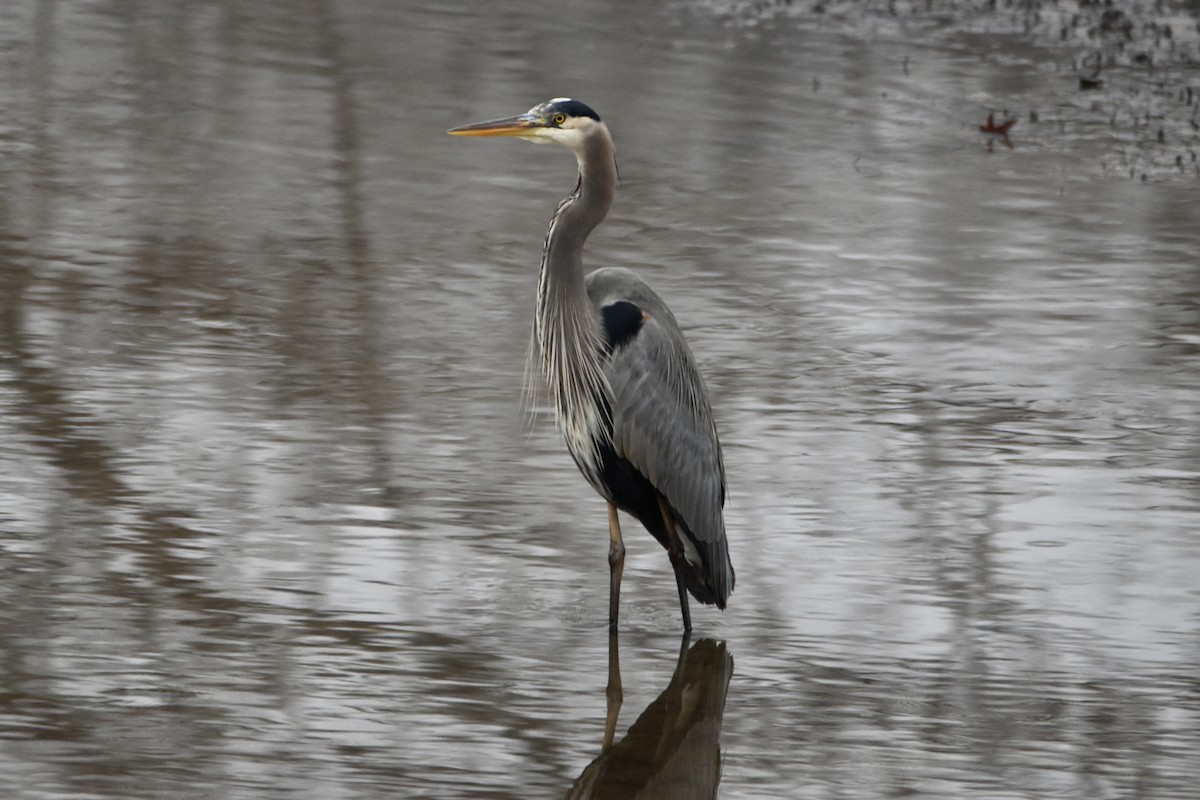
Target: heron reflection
{"points": [[673, 750]]}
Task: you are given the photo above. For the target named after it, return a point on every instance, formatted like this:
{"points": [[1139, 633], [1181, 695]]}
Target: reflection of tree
{"points": [[673, 750], [122, 225]]}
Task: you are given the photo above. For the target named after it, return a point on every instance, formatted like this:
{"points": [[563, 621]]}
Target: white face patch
{"points": [[571, 134]]}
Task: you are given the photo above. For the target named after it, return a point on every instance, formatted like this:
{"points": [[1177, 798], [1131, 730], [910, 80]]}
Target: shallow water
{"points": [[273, 522]]}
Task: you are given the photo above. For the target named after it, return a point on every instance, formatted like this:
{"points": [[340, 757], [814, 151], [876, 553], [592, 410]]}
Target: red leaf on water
{"points": [[1000, 129]]}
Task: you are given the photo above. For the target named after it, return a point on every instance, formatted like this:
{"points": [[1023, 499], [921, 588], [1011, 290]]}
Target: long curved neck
{"points": [[567, 329], [582, 211]]}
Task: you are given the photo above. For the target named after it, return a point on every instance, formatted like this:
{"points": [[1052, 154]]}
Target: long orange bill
{"points": [[509, 126]]}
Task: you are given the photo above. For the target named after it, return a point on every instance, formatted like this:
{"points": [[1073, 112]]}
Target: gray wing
{"points": [[662, 422]]}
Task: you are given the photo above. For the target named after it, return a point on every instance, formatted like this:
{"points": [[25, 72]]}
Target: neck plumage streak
{"points": [[568, 349]]}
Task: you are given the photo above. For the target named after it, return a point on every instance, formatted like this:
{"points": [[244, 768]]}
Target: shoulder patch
{"points": [[622, 322]]}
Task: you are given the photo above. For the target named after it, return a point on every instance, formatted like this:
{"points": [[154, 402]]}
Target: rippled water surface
{"points": [[273, 522]]}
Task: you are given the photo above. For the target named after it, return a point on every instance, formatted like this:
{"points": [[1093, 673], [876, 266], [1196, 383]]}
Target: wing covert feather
{"points": [[662, 422]]}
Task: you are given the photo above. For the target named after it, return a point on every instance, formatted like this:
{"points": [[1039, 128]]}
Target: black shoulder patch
{"points": [[622, 321]]}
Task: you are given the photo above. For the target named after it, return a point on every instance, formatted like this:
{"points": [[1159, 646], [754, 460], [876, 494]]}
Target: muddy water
{"points": [[273, 522]]}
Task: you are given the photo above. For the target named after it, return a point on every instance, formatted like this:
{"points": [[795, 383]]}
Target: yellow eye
{"points": [[559, 119]]}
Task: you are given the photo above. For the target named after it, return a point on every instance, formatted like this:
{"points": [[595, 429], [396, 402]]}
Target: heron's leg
{"points": [[675, 552], [616, 566], [612, 692]]}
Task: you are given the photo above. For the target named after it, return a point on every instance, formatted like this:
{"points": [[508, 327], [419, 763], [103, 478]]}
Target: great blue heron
{"points": [[629, 399]]}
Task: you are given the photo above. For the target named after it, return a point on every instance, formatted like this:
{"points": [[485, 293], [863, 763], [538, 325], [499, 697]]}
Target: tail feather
{"points": [[710, 577]]}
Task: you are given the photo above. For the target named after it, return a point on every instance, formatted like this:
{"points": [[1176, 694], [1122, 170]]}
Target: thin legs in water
{"points": [[616, 565], [675, 552]]}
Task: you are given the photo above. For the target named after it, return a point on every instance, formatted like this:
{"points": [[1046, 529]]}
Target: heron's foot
{"points": [[687, 614], [613, 693]]}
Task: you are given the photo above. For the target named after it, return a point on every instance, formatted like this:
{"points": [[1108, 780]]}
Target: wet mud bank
{"points": [[1130, 68]]}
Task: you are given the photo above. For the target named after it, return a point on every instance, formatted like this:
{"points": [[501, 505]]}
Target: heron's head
{"points": [[561, 120]]}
